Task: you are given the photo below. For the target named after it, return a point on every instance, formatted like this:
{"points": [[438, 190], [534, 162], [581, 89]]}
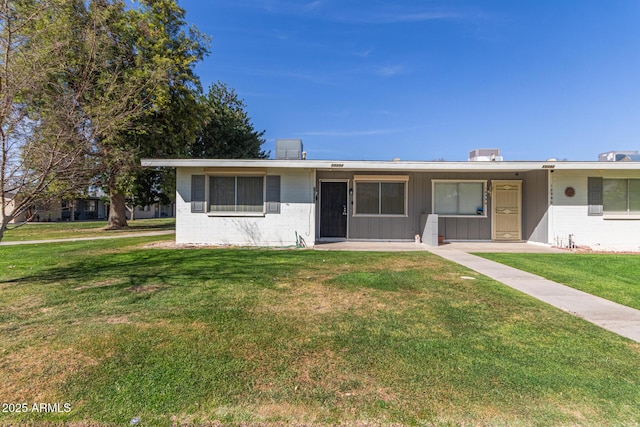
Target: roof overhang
{"points": [[406, 166]]}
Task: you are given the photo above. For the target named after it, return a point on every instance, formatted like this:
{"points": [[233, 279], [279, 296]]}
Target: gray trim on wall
{"points": [[595, 196], [273, 194], [198, 194]]}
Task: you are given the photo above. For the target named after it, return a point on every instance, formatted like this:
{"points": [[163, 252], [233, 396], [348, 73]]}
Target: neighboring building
{"points": [[157, 210], [87, 209], [91, 208], [289, 201], [11, 205]]}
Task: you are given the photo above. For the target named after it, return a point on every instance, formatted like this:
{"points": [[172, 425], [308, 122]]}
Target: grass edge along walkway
{"points": [[617, 318], [80, 239]]}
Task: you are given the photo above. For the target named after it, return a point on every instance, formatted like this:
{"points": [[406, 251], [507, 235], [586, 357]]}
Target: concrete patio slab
{"points": [[395, 246], [510, 247], [374, 246]]}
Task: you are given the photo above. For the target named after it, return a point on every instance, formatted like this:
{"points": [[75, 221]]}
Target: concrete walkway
{"points": [[81, 239], [614, 317]]}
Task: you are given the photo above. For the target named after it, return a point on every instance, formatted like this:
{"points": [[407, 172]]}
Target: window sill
{"points": [[462, 216], [236, 214], [621, 217], [379, 216]]}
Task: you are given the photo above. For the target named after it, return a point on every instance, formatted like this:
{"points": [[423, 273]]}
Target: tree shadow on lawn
{"points": [[175, 267]]}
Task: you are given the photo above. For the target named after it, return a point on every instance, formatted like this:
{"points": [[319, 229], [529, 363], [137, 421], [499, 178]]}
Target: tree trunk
{"points": [[132, 212], [3, 226], [117, 210]]}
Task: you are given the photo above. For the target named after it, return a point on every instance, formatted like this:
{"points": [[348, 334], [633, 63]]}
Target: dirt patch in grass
{"points": [[27, 304], [144, 289], [307, 299], [327, 371], [118, 320], [286, 411], [36, 373], [100, 284], [310, 292]]}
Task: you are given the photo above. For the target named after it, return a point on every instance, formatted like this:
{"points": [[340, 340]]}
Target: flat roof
{"points": [[409, 166]]}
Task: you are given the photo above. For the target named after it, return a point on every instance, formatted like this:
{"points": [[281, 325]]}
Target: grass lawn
{"points": [[120, 329], [614, 277], [66, 230]]}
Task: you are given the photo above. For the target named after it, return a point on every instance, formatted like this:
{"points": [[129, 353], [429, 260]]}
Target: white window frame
{"points": [[236, 175], [397, 179], [434, 182]]}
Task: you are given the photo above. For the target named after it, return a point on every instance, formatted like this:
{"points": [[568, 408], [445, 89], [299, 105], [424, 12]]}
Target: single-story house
{"points": [[294, 201], [85, 209], [89, 208], [10, 201]]}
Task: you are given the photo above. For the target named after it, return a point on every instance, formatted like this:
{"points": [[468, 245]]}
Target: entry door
{"points": [[333, 209], [507, 210]]}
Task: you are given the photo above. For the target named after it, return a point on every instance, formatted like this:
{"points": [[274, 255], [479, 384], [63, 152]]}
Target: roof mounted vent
{"points": [[289, 149], [485, 155]]}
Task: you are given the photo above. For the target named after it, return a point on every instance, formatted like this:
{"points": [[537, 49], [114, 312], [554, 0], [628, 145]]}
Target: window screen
{"points": [[463, 198], [236, 194], [380, 198], [621, 196]]}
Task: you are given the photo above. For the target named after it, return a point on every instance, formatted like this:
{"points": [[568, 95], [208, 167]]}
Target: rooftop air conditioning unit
{"points": [[288, 149], [485, 155], [618, 156]]}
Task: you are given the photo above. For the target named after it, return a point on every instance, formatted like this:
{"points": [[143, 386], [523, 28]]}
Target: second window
{"points": [[380, 197]]}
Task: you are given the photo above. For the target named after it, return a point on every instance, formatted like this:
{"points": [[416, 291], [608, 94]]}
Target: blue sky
{"points": [[427, 80]]}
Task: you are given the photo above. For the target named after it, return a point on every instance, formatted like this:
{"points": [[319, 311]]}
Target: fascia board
{"points": [[407, 166]]}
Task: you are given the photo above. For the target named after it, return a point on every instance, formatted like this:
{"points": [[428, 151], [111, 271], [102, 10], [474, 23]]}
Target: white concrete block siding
{"points": [[569, 215], [297, 213]]}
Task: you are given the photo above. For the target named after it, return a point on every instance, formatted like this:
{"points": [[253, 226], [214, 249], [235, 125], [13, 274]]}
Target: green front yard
{"points": [[67, 230], [613, 277], [121, 329]]}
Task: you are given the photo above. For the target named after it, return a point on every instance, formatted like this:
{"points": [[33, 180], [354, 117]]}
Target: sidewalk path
{"points": [[614, 317], [80, 239]]}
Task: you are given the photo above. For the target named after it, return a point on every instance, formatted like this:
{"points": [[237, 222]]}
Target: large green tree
{"points": [[88, 87], [227, 132], [220, 128], [160, 41], [45, 149]]}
